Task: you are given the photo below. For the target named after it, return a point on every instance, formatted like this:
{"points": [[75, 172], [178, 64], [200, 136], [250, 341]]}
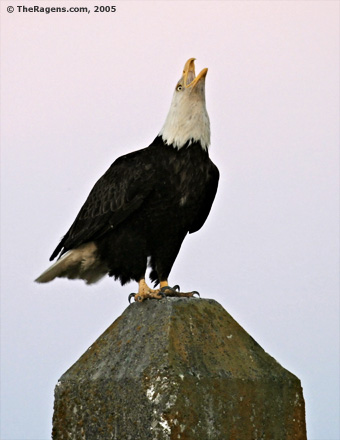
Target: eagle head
{"points": [[188, 120]]}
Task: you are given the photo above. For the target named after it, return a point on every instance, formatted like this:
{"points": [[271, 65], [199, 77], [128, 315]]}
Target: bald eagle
{"points": [[139, 212]]}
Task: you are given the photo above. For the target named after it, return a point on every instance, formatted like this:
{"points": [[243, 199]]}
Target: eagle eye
{"points": [[179, 87]]}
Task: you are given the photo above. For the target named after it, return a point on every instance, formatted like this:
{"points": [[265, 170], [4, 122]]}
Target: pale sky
{"points": [[79, 90]]}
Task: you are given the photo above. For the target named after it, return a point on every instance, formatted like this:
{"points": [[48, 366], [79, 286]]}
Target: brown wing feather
{"points": [[117, 194]]}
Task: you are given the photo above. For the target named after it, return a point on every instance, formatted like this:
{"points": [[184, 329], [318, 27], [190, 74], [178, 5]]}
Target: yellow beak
{"points": [[189, 71]]}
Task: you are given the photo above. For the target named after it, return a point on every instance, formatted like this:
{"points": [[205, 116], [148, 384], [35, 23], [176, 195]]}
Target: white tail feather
{"points": [[80, 263]]}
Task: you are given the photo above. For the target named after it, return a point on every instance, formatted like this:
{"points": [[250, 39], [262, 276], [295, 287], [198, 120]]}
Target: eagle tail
{"points": [[80, 263]]}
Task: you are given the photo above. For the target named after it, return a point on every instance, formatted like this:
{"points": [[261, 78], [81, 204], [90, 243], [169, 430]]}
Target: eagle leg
{"points": [[145, 292]]}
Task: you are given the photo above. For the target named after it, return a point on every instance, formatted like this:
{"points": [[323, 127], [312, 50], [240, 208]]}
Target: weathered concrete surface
{"points": [[177, 369]]}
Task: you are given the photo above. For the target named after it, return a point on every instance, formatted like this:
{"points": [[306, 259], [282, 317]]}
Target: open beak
{"points": [[189, 74]]}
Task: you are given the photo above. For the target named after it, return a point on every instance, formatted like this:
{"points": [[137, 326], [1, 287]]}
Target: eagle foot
{"points": [[175, 292], [152, 294], [144, 292]]}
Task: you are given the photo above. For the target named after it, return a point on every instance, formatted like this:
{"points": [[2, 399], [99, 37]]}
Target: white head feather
{"points": [[188, 120]]}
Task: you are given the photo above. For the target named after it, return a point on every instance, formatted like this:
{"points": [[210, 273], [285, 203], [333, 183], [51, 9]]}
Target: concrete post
{"points": [[177, 369]]}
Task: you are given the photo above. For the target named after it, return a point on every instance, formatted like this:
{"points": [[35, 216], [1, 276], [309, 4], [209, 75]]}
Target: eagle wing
{"points": [[115, 196], [207, 199]]}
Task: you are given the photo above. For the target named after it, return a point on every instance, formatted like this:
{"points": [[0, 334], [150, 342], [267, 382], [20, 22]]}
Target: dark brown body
{"points": [[142, 208]]}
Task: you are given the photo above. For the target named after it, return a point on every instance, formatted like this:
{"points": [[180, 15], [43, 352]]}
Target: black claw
{"points": [[132, 295], [176, 288], [196, 293]]}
